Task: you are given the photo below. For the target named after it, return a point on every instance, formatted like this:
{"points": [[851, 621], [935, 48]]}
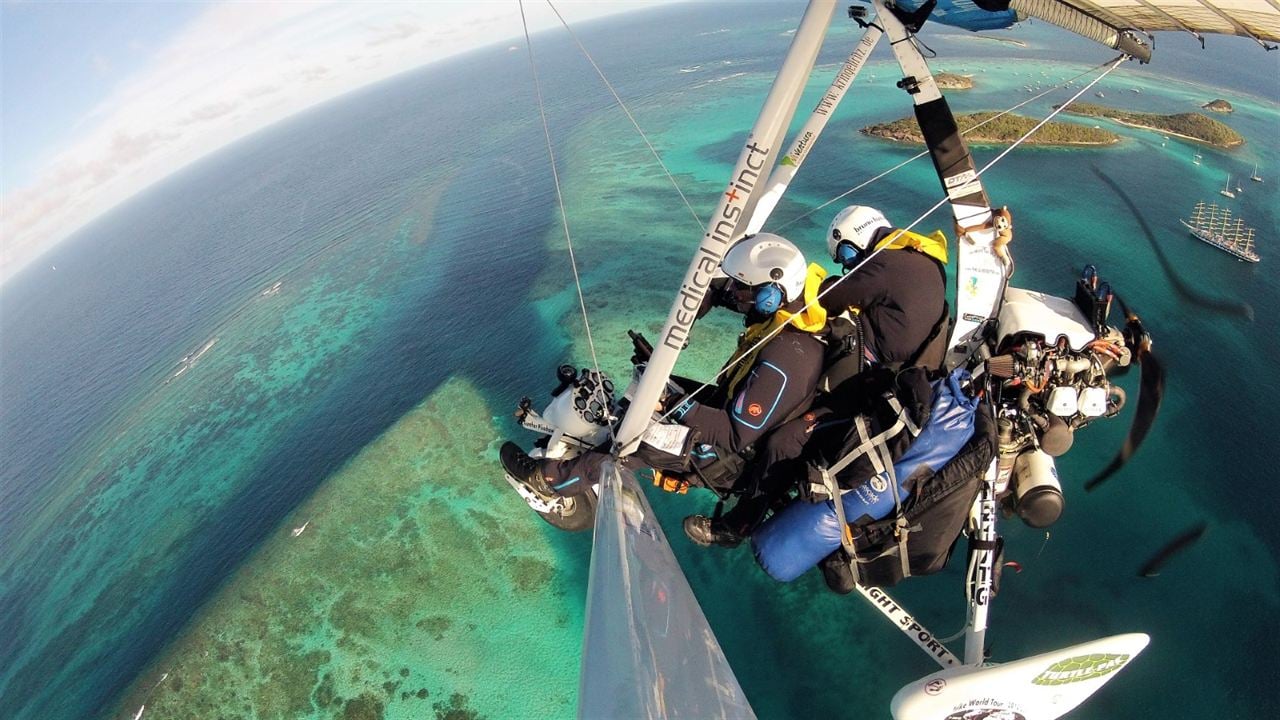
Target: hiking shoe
{"points": [[703, 531], [526, 470]]}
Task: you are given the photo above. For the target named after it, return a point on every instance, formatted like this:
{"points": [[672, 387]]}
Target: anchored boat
{"points": [[1215, 226]]}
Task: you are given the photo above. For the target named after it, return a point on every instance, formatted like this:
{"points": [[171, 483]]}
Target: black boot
{"points": [[524, 469], [703, 531], [837, 573]]}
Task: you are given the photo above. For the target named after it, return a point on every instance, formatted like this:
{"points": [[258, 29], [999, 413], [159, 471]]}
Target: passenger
{"points": [[770, 284], [895, 303], [898, 294]]}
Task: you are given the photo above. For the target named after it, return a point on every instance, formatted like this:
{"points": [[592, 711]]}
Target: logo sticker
{"points": [[879, 483], [754, 410], [986, 713], [1081, 668], [935, 686], [960, 178]]}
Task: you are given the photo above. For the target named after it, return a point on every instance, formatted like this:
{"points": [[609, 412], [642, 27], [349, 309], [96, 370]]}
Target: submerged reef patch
{"points": [[389, 599]]}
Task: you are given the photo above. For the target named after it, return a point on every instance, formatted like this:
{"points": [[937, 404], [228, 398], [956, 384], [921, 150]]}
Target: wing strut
{"points": [[981, 271], [808, 135], [728, 222]]}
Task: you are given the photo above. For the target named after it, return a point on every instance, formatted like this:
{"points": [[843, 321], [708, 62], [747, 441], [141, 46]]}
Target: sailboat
{"points": [[1255, 176], [648, 650], [1226, 189]]}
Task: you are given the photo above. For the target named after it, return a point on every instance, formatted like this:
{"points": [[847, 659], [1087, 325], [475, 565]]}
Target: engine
{"points": [[581, 410], [1049, 376]]}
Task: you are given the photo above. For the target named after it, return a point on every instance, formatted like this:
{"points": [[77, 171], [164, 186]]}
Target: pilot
{"points": [[770, 284]]}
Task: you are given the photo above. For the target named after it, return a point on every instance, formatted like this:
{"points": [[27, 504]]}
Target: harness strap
{"points": [[846, 537], [876, 448], [901, 528], [869, 442]]}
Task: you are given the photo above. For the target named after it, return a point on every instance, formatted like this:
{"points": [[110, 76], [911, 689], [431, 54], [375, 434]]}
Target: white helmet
{"points": [[852, 231], [771, 265]]}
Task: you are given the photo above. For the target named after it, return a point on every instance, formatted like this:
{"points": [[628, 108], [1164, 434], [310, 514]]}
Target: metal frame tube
{"points": [[736, 205], [808, 135], [909, 626], [981, 271], [982, 581]]}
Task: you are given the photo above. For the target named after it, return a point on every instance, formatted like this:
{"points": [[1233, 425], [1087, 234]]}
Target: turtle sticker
{"points": [[1080, 668], [754, 410]]}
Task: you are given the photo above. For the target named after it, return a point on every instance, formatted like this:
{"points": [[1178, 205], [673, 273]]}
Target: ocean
{"points": [[327, 325]]}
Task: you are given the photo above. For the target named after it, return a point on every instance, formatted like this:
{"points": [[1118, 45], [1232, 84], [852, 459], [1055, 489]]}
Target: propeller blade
{"points": [[1135, 333], [1181, 542], [1150, 395]]}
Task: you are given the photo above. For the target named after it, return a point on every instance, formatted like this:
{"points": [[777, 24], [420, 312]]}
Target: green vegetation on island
{"points": [[1219, 105], [1192, 126], [1003, 130], [952, 81]]}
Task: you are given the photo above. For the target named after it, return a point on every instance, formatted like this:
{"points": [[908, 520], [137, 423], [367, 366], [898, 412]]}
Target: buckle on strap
{"points": [[837, 501]]}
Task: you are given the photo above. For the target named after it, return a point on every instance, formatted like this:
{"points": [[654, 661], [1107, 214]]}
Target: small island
{"points": [[1191, 126], [952, 81], [1219, 105], [1000, 132]]}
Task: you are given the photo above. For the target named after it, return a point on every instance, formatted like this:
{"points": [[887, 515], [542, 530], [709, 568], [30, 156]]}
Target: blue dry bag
{"points": [[795, 539]]}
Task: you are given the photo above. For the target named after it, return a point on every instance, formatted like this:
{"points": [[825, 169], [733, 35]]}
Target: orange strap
{"points": [[670, 483]]}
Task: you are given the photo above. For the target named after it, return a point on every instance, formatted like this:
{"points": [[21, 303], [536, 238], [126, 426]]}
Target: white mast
{"points": [[729, 219]]}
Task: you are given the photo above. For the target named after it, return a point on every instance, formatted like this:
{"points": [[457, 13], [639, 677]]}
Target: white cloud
{"points": [[236, 69]]}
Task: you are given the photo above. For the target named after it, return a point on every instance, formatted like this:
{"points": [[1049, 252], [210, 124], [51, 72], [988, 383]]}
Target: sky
{"points": [[99, 100]]}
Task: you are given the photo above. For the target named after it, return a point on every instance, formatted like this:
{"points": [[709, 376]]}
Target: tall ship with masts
{"points": [[1215, 226]]}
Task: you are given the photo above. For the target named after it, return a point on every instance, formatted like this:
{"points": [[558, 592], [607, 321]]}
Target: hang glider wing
{"points": [[1118, 24]]}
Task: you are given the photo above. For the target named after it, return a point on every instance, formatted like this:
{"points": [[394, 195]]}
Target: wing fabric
{"points": [[1106, 21], [967, 14], [1257, 19]]}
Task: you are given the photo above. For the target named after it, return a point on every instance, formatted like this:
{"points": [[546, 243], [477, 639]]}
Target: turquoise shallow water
{"points": [[146, 514]]}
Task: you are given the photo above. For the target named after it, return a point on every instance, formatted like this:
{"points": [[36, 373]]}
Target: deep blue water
{"points": [[86, 347]]}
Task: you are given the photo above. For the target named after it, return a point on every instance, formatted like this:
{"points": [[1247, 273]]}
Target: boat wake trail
{"points": [[1226, 306]]}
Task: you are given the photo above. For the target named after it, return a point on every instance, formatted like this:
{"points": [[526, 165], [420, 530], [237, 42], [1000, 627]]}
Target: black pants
{"points": [[576, 475], [781, 464]]}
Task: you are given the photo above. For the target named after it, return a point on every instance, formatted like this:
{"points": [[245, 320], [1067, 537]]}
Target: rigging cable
{"points": [[630, 117], [564, 217], [1112, 65]]}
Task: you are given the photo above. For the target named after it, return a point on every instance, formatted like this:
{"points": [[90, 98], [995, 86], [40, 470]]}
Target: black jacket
{"points": [[780, 382], [901, 294]]}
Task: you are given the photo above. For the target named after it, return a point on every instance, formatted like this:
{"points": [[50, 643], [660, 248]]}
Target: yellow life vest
{"points": [[811, 320], [933, 245]]}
